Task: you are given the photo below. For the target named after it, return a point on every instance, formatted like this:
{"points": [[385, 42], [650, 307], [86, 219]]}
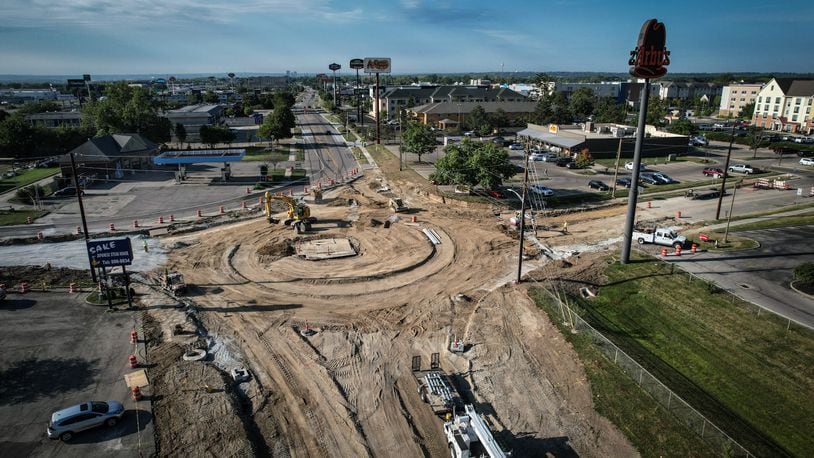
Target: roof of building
{"points": [[467, 107], [195, 109], [801, 88], [451, 92], [197, 156], [56, 115], [110, 147], [554, 139]]}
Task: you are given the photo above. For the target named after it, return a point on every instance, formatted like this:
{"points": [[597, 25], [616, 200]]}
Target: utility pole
{"points": [[731, 206], [616, 168], [82, 214], [523, 211], [726, 173]]}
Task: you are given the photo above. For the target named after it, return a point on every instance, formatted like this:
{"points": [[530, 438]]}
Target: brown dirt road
{"points": [[349, 390]]}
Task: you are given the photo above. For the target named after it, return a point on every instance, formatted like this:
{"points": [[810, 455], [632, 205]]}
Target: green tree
{"points": [[419, 139], [584, 158], [683, 127], [473, 163], [211, 135], [499, 119], [582, 103], [477, 120], [656, 111], [748, 110], [39, 107], [125, 109], [180, 133], [17, 137], [210, 97], [804, 274], [278, 124], [607, 110]]}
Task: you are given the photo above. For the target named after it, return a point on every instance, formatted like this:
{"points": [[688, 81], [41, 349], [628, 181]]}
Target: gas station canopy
{"points": [[198, 156]]}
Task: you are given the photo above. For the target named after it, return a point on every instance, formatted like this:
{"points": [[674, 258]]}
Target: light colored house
{"points": [[785, 104], [735, 96], [452, 114]]}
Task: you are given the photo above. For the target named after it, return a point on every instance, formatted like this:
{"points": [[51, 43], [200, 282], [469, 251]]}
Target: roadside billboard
{"points": [[377, 64], [110, 253]]}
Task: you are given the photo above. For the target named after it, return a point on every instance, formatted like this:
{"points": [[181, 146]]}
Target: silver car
{"points": [[66, 422]]}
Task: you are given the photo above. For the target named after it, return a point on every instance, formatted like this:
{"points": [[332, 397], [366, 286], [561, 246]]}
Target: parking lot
{"points": [[59, 351]]}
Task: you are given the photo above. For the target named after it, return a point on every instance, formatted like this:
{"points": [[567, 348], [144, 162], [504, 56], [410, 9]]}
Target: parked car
{"points": [[66, 422], [542, 190], [629, 166], [516, 147], [563, 161], [469, 133], [698, 140], [648, 178], [742, 168], [624, 181], [600, 185], [498, 141], [713, 172], [66, 192], [573, 165], [495, 193], [662, 177], [806, 161]]}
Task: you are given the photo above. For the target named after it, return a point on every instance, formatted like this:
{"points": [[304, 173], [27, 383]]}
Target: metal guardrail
{"points": [[668, 399]]}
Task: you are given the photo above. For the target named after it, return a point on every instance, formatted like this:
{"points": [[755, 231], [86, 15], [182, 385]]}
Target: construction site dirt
{"points": [[346, 387]]}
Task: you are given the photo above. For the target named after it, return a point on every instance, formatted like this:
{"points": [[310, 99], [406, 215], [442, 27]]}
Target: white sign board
{"points": [[799, 192], [377, 65]]}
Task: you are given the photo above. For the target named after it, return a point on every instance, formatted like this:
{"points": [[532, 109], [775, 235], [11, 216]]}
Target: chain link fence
{"points": [[707, 430]]}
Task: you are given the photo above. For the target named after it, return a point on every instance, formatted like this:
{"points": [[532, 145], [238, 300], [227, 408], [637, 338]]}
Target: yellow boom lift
{"points": [[299, 214]]}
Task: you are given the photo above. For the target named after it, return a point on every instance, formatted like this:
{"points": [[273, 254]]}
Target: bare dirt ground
{"points": [[349, 390]]}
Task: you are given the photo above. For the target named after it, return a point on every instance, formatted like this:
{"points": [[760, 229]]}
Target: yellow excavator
{"points": [[299, 214]]}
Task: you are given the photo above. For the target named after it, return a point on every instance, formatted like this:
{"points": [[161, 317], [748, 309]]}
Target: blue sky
{"points": [[165, 37]]}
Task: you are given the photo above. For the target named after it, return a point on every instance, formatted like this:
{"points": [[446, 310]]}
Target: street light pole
{"points": [[523, 212], [726, 172], [82, 214], [731, 206]]}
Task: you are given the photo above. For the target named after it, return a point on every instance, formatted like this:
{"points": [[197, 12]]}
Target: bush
{"points": [[26, 195], [804, 273]]}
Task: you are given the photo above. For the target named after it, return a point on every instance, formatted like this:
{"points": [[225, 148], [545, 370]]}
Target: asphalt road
{"points": [[762, 275], [57, 352]]}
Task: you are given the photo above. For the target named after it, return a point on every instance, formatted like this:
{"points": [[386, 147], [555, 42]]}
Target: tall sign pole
{"points": [[358, 64], [82, 215], [377, 65], [647, 61], [334, 67]]}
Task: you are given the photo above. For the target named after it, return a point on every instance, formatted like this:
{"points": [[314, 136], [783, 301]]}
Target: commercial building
{"points": [[56, 119], [735, 96], [687, 91], [785, 104], [602, 140], [448, 115], [392, 100], [192, 117], [110, 156]]}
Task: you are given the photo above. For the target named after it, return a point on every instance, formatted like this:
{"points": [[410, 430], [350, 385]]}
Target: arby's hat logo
{"points": [[651, 57]]}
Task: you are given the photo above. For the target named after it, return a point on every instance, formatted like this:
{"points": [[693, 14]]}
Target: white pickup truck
{"points": [[659, 236]]}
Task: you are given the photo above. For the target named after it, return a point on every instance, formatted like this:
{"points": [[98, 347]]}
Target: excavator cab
{"points": [[299, 214]]}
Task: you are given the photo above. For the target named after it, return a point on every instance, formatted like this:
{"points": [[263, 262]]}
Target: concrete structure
{"points": [[785, 104], [110, 156], [394, 99], [444, 115], [602, 140], [735, 96], [687, 91], [192, 117], [56, 119]]}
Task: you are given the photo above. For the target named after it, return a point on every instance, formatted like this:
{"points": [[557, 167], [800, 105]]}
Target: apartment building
{"points": [[192, 117], [735, 96], [394, 99], [785, 104]]}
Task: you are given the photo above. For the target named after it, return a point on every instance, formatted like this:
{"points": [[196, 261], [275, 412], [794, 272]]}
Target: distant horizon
{"points": [[54, 37], [62, 77]]}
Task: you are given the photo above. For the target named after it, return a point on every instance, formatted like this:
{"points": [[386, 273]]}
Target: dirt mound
{"points": [[276, 250], [37, 276]]}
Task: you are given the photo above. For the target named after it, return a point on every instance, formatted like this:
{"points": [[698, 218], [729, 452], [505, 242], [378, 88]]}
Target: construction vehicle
{"points": [[299, 214], [469, 436], [435, 388], [398, 205], [659, 236], [173, 282]]}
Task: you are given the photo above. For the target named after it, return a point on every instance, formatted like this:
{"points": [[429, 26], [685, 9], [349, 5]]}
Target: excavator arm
{"points": [[298, 212]]}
